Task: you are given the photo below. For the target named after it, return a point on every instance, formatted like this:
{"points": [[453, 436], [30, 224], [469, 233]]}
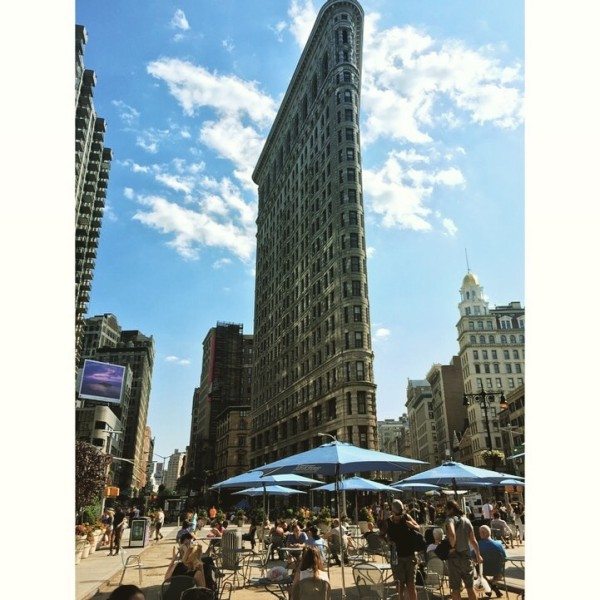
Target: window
{"points": [[357, 313], [485, 354], [486, 367], [358, 339], [479, 383], [349, 403], [351, 173], [348, 115], [511, 382], [492, 339], [355, 264], [361, 403], [494, 354], [477, 368], [498, 382], [476, 354], [488, 382], [347, 96], [347, 365], [473, 339], [354, 240], [471, 325], [482, 339], [508, 368], [349, 135], [349, 153], [347, 76], [513, 339], [506, 355], [360, 370], [356, 288], [517, 368], [352, 196], [496, 368], [516, 354]]}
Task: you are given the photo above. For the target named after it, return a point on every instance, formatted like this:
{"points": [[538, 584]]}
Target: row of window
{"points": [[494, 353], [491, 339], [485, 368]]}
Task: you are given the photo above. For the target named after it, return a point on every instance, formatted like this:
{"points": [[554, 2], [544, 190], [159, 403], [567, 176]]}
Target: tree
{"points": [[90, 473]]}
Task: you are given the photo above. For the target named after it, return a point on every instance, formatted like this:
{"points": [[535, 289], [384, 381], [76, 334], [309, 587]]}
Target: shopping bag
{"points": [[480, 583]]}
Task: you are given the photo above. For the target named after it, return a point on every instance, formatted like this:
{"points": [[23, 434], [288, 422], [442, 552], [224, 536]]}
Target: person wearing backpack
{"points": [[459, 531], [400, 528]]}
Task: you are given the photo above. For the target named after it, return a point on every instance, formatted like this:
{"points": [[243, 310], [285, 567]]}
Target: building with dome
{"points": [[492, 358]]}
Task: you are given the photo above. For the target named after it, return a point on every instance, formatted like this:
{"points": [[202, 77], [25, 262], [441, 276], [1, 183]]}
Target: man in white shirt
{"points": [[487, 509]]}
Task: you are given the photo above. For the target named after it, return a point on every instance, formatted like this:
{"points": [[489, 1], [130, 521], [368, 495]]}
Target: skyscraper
{"points": [[224, 383], [313, 359], [92, 164]]}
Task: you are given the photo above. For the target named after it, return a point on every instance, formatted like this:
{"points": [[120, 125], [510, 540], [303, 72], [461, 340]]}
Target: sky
{"points": [[189, 91]]}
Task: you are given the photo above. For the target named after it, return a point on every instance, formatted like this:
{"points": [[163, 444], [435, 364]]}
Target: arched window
{"points": [[492, 339], [468, 295], [482, 339], [473, 339], [503, 339], [513, 339]]}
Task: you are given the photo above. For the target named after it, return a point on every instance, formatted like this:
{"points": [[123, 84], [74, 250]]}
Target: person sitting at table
{"points": [[438, 536], [185, 542], [185, 528], [277, 539], [494, 556], [297, 537], [191, 566], [500, 528], [314, 539], [339, 548], [310, 569], [216, 529], [251, 535]]}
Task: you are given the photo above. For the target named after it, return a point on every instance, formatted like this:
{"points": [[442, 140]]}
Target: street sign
{"points": [[111, 491]]}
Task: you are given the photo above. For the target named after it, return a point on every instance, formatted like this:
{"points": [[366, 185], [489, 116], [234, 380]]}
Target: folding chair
{"points": [[133, 560], [172, 589]]}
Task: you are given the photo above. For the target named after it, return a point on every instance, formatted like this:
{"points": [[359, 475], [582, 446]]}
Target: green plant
{"points": [[90, 474], [324, 515], [259, 515], [290, 513], [364, 514], [220, 516], [202, 514], [239, 513]]}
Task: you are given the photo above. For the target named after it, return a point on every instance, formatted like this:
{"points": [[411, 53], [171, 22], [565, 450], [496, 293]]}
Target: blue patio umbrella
{"points": [[512, 482], [455, 473], [358, 484], [270, 490], [336, 458], [415, 488], [254, 478]]}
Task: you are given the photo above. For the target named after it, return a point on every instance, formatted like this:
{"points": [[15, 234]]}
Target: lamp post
{"points": [[485, 399]]}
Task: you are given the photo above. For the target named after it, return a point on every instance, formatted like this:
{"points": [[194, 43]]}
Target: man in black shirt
{"points": [[396, 530]]}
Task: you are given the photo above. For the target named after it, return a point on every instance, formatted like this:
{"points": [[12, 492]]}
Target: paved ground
{"points": [[96, 577]]}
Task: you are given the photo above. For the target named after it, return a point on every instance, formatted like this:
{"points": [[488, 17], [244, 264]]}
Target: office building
{"points": [[421, 421], [449, 413], [313, 360], [225, 382], [175, 469], [492, 358], [92, 165]]}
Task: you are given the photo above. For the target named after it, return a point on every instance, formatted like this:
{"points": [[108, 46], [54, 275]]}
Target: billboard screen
{"points": [[102, 381]]}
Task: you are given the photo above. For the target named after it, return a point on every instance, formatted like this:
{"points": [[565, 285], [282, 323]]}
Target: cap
{"points": [[397, 506]]}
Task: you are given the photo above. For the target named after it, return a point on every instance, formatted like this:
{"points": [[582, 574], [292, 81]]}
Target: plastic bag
{"points": [[480, 583]]}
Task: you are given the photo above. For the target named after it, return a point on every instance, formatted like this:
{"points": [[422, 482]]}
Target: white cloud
{"points": [[190, 229], [175, 183], [185, 134], [382, 333], [370, 252], [278, 29], [218, 264], [149, 139], [408, 75], [127, 114], [194, 87], [302, 14], [398, 193], [228, 45], [450, 226], [178, 361], [179, 21], [128, 193]]}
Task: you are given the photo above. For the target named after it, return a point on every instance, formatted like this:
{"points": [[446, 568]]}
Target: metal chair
{"points": [[377, 546], [133, 560], [198, 594], [256, 560], [311, 589], [369, 581], [174, 587], [434, 574]]}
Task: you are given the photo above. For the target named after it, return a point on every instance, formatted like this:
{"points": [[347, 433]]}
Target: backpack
{"points": [[417, 542], [443, 548]]}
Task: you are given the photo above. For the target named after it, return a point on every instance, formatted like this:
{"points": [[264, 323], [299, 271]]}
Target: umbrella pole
{"points": [[356, 507], [455, 488], [337, 497], [265, 516]]}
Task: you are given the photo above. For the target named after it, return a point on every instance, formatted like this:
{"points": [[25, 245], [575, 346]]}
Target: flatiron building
{"points": [[313, 359]]}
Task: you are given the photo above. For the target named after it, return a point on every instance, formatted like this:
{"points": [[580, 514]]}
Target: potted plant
{"points": [[221, 516], [202, 517], [364, 518], [289, 515], [324, 520], [260, 518], [493, 458], [239, 515], [80, 542]]}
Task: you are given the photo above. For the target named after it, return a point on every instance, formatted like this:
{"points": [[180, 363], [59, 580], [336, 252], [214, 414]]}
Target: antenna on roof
{"points": [[467, 259]]}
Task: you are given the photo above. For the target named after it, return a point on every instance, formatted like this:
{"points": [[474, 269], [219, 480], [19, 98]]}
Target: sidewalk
{"points": [[157, 556], [93, 572]]}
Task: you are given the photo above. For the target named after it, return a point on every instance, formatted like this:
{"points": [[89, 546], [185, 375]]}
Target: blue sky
{"points": [[189, 90]]}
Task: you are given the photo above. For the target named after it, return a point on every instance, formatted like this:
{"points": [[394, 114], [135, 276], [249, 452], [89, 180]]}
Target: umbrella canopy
{"points": [[336, 457], [452, 473], [359, 484], [512, 482], [270, 490], [415, 488], [254, 478]]}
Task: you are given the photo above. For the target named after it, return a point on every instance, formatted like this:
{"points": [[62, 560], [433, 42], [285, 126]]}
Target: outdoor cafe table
{"points": [[384, 568], [277, 587]]}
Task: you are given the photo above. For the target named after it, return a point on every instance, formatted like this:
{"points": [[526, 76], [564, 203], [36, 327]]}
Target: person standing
{"points": [[460, 536], [159, 521], [487, 510], [397, 531], [118, 527], [107, 520]]}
